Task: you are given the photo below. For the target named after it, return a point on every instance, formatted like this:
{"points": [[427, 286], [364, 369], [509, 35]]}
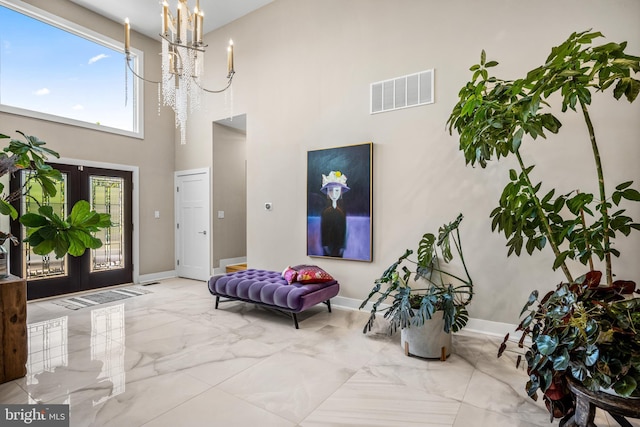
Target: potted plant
{"points": [[434, 293], [46, 233], [582, 331]]}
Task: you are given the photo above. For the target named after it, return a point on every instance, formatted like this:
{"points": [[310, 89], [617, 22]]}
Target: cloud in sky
{"points": [[97, 58], [42, 92], [77, 107]]}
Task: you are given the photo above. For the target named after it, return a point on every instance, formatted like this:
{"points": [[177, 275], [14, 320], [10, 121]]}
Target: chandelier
{"points": [[182, 61]]}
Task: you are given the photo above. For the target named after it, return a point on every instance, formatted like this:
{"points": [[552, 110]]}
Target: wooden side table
{"points": [[13, 328], [232, 268], [587, 401]]}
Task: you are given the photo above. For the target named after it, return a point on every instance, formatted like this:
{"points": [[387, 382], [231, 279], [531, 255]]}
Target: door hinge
{"points": [[178, 261], [178, 226], [177, 189]]}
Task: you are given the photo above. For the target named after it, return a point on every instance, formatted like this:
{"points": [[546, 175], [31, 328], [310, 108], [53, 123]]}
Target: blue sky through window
{"points": [[46, 69]]}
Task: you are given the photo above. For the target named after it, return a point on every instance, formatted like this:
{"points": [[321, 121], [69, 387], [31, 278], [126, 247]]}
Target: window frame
{"points": [[135, 86]]}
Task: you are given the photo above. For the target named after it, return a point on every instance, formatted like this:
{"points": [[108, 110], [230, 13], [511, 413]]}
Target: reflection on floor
{"points": [[169, 359]]}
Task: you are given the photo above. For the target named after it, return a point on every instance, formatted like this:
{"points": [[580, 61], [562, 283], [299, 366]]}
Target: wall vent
{"points": [[402, 92]]}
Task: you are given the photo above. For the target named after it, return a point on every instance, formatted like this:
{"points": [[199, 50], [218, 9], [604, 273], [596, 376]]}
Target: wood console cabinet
{"points": [[13, 328]]}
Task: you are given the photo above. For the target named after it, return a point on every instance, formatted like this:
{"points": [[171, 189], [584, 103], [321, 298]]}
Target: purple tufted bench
{"points": [[269, 289]]}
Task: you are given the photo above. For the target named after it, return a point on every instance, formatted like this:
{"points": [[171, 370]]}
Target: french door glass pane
{"points": [[107, 197], [43, 266]]}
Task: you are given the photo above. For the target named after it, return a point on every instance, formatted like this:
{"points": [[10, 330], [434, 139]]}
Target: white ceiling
{"points": [[144, 15]]}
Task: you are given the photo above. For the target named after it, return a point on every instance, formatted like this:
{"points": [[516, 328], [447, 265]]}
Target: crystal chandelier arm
{"points": [[230, 77], [136, 74]]}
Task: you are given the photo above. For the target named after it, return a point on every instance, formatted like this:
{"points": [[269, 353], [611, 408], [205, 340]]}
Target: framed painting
{"points": [[339, 201]]}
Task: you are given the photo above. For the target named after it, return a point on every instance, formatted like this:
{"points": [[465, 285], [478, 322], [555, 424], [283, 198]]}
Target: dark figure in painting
{"points": [[333, 222]]}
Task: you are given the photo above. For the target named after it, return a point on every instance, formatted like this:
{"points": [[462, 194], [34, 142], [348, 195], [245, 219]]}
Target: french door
{"points": [[107, 191]]}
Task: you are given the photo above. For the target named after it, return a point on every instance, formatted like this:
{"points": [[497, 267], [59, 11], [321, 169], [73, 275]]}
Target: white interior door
{"points": [[193, 237]]}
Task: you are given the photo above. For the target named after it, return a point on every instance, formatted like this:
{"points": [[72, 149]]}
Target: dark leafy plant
{"points": [[432, 288], [584, 331], [46, 231], [494, 117]]}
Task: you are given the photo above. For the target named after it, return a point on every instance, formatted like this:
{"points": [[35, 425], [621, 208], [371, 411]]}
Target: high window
{"points": [[55, 70]]}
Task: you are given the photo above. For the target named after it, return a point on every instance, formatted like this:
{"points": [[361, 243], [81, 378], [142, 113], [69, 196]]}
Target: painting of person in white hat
{"points": [[333, 222]]}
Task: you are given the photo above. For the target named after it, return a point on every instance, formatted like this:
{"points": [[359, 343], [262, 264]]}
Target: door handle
{"points": [[203, 232]]}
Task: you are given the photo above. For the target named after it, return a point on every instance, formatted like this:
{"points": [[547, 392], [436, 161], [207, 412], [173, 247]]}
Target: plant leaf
{"points": [[625, 386], [546, 344]]}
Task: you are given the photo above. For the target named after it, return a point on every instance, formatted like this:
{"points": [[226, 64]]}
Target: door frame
{"points": [[135, 203], [176, 176]]}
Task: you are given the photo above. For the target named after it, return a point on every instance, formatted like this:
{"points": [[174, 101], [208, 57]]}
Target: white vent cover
{"points": [[402, 92]]}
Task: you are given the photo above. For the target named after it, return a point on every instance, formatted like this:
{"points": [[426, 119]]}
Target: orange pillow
{"points": [[313, 274]]}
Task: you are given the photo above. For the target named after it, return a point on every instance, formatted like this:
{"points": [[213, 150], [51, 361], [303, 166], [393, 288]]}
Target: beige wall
{"points": [[304, 69], [153, 154], [229, 194]]}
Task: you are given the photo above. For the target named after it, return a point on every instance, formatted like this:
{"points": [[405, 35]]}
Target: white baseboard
{"points": [[489, 327], [481, 326], [351, 303], [153, 277]]}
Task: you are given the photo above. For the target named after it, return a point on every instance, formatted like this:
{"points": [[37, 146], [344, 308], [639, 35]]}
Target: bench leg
{"points": [[328, 302], [295, 320], [217, 301]]}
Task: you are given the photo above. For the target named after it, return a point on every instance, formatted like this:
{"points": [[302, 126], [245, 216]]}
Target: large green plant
{"points": [[433, 288], [46, 231], [494, 117]]}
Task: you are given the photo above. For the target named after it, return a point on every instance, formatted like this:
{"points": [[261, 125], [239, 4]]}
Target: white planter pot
{"points": [[427, 340]]}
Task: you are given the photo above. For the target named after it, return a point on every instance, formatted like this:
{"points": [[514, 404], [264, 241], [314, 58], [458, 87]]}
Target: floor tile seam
{"points": [[373, 416], [501, 381], [371, 358], [245, 369], [260, 408], [430, 392], [359, 419], [308, 414], [149, 328], [178, 405], [68, 394], [511, 415], [411, 386], [464, 395], [355, 372], [17, 383], [183, 351], [220, 386]]}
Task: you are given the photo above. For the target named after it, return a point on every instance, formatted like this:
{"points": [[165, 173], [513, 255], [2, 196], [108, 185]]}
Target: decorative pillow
{"points": [[313, 274], [290, 275]]}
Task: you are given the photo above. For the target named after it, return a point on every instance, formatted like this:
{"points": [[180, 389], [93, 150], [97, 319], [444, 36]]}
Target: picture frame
{"points": [[339, 202]]}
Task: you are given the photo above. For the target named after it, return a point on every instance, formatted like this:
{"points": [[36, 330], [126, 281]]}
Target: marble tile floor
{"points": [[169, 359]]}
